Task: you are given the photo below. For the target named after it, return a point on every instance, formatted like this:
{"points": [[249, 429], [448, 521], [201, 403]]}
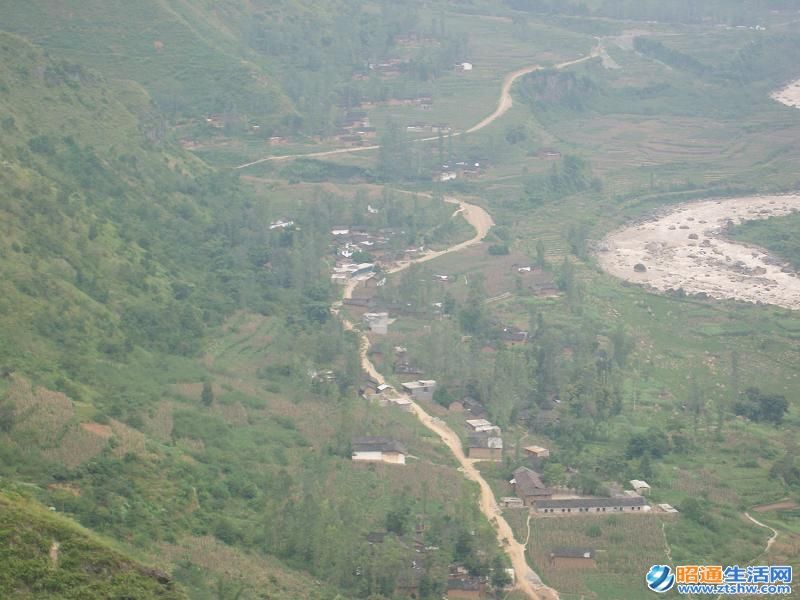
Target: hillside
{"points": [[186, 54], [47, 556], [158, 337]]}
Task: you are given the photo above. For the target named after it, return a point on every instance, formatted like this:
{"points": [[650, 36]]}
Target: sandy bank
{"points": [[685, 247]]}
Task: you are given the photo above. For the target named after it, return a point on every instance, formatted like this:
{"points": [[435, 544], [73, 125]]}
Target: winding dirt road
{"points": [[504, 103], [772, 538], [527, 580]]}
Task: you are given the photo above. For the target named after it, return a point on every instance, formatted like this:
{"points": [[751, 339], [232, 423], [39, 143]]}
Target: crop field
{"points": [[625, 546]]}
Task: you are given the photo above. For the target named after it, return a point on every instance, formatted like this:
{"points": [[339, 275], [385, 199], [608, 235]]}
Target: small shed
{"points": [[481, 425], [641, 487], [572, 558], [511, 502], [536, 451], [485, 446], [420, 390]]}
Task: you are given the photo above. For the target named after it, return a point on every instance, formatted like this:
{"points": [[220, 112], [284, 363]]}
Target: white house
{"points": [[378, 449], [420, 390]]}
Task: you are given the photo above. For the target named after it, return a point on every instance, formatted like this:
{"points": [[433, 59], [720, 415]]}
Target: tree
{"points": [[761, 407], [500, 578], [541, 257], [207, 395]]}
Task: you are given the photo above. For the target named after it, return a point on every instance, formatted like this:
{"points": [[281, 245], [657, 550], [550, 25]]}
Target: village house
{"points": [[485, 446], [466, 588], [591, 505], [464, 66], [536, 451], [572, 558], [406, 368], [528, 485], [482, 425], [281, 224], [640, 487], [514, 335], [402, 402], [668, 508], [378, 449], [511, 502], [378, 323], [475, 408], [420, 390]]}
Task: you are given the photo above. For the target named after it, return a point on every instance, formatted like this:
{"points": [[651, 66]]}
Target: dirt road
{"points": [[503, 104], [527, 580], [772, 538], [506, 101]]}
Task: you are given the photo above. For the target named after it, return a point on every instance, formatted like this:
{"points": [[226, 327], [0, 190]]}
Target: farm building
{"points": [[536, 451], [592, 505], [514, 335], [641, 487], [572, 558], [402, 403], [378, 449], [481, 425], [528, 485], [485, 446], [668, 508], [511, 502], [378, 323], [420, 390]]}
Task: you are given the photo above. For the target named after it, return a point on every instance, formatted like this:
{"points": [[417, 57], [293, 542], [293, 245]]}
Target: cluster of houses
{"points": [[460, 168], [356, 129], [538, 281], [532, 493], [461, 584]]}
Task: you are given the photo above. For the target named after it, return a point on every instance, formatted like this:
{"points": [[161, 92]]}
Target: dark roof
{"points": [[376, 444], [528, 483], [572, 552], [592, 502], [514, 334]]}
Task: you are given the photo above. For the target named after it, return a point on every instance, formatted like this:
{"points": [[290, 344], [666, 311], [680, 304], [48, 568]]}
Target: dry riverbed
{"points": [[685, 247], [789, 95]]}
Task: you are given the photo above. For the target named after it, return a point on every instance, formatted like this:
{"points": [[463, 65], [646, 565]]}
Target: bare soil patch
{"points": [[782, 505]]}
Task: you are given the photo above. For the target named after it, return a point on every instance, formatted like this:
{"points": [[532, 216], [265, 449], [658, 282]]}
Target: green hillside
{"points": [[184, 53], [47, 556]]}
